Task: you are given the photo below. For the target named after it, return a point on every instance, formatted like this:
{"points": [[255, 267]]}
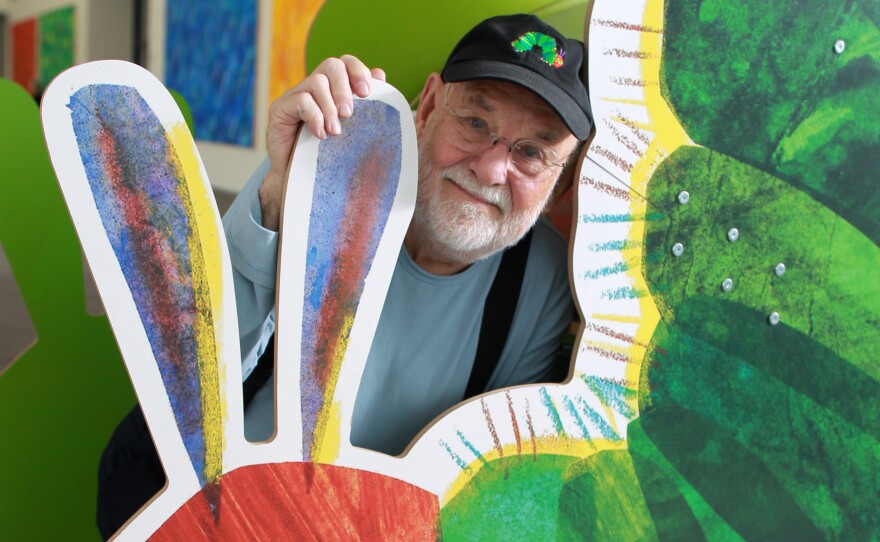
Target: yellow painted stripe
{"points": [[207, 281], [326, 439]]}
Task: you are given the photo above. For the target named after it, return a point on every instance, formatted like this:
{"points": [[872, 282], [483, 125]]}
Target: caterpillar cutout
{"points": [[547, 46]]}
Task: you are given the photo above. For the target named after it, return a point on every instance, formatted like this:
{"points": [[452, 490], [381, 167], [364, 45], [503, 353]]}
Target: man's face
{"points": [[476, 199]]}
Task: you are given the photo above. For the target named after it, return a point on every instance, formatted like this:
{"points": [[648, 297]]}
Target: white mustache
{"points": [[495, 195]]}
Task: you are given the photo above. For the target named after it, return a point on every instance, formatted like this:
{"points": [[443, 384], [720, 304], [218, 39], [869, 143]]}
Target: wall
{"points": [[115, 18]]}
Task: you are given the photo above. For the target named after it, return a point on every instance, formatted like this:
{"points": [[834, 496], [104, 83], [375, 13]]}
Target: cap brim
{"points": [[564, 105]]}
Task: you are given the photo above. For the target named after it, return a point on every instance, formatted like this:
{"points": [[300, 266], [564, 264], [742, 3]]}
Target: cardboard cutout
{"points": [[699, 407], [60, 398]]}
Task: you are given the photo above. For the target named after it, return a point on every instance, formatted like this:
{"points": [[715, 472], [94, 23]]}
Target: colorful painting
{"points": [[144, 210], [347, 221], [291, 23], [42, 48], [142, 205], [24, 54], [726, 370], [746, 271], [56, 44], [211, 60], [135, 171]]}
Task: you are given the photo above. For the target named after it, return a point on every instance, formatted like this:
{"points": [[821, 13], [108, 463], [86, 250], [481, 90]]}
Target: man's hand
{"points": [[319, 101]]}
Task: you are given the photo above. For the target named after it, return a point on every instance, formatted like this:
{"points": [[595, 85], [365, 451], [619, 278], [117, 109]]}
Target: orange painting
{"points": [[291, 22]]}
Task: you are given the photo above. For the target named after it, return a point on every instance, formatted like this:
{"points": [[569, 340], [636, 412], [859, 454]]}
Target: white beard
{"points": [[463, 231]]}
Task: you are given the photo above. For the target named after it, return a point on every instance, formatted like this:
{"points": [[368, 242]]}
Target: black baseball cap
{"points": [[525, 50]]}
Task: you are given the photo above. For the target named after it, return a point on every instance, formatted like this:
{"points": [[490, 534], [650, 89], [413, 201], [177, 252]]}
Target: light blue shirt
{"points": [[426, 339]]}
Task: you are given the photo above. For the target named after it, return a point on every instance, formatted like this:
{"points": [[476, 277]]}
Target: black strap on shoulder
{"points": [[261, 373], [498, 314]]}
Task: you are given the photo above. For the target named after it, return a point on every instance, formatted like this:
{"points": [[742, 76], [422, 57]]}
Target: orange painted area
{"points": [[24, 54], [307, 501], [291, 23]]}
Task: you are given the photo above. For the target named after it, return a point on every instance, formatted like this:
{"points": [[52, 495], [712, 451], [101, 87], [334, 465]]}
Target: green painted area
{"points": [[184, 109], [409, 40], [62, 399], [513, 498], [829, 291], [775, 427], [56, 44], [662, 485], [672, 517], [728, 476], [761, 82], [769, 416], [603, 501]]}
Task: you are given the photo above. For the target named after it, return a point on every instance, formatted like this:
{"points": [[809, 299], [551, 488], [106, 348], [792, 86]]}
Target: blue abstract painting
{"points": [[210, 58]]}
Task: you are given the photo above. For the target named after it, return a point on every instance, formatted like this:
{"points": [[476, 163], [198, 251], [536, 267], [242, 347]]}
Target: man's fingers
{"points": [[358, 74], [322, 95], [326, 96], [295, 107]]}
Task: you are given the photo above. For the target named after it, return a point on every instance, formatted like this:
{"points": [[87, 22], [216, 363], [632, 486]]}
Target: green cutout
{"points": [[727, 403], [829, 291], [761, 82], [603, 501], [61, 401], [513, 498]]}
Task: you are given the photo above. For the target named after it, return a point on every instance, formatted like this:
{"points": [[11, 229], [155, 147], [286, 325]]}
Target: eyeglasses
{"points": [[531, 158]]}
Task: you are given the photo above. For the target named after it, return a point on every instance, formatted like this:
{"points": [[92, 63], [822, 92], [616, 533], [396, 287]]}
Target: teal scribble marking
{"points": [[619, 267], [552, 412], [604, 427], [626, 217], [472, 448], [616, 246], [612, 394], [455, 457], [625, 292], [569, 405]]}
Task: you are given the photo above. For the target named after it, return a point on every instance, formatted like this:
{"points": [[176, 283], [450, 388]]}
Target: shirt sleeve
{"points": [[253, 251]]}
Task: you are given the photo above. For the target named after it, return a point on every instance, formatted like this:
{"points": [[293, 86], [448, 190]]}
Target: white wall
{"points": [[112, 22], [228, 166]]}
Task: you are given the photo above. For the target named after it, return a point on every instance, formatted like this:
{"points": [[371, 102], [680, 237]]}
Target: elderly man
{"points": [[495, 131]]}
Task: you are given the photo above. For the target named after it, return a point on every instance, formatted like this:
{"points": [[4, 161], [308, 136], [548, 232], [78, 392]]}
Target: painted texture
{"points": [[55, 44], [291, 23], [211, 60], [744, 430], [749, 430], [314, 502], [24, 54], [356, 180], [793, 403], [784, 102], [149, 205]]}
